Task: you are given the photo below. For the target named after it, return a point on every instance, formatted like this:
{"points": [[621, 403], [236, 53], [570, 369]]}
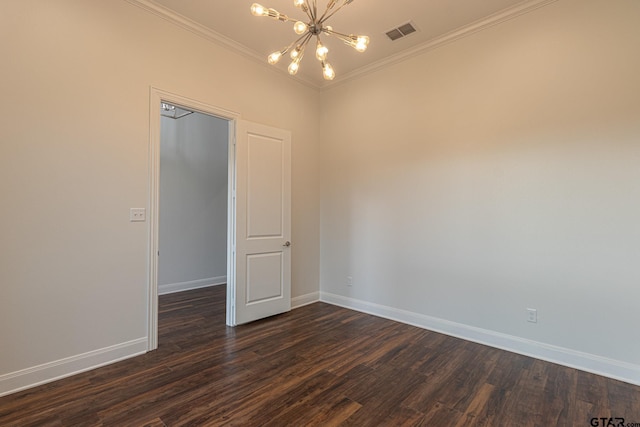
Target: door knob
{"points": [[287, 244]]}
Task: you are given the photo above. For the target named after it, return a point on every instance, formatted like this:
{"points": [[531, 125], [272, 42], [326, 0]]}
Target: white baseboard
{"points": [[606, 367], [190, 285], [52, 371], [303, 300]]}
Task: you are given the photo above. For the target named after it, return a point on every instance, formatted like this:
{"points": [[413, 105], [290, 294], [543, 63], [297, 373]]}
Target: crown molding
{"points": [[211, 35], [464, 31]]}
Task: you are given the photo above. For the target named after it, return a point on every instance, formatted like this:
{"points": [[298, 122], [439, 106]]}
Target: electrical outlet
{"points": [[137, 214], [532, 315], [349, 281]]}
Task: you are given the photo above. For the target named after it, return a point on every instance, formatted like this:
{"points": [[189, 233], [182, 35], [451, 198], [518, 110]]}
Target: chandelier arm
{"points": [[306, 36], [330, 6], [272, 13], [285, 18], [307, 10], [304, 43], [337, 34], [288, 48], [310, 10], [309, 36], [325, 18]]}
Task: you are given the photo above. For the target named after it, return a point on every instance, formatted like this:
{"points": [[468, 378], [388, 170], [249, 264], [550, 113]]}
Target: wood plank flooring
{"points": [[317, 365]]}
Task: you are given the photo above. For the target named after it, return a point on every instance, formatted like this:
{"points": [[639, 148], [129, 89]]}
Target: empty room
{"points": [[320, 212]]}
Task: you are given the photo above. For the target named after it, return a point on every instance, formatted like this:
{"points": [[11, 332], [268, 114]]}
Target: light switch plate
{"points": [[137, 214]]}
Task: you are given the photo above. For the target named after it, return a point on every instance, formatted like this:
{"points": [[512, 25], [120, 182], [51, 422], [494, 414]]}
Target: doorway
{"points": [[193, 200], [258, 214], [188, 177]]}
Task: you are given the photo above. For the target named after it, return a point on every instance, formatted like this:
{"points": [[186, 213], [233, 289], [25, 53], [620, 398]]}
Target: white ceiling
{"points": [[437, 21]]}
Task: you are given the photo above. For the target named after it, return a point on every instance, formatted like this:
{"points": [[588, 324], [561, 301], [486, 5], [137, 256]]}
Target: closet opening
{"points": [[191, 211]]}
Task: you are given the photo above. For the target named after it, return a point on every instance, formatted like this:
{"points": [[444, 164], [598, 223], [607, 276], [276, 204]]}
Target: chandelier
{"points": [[314, 27]]}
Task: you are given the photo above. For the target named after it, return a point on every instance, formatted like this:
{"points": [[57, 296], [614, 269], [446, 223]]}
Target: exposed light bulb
{"points": [[327, 71], [361, 43], [259, 10], [274, 57], [302, 4], [295, 52], [300, 27], [294, 66], [321, 51]]}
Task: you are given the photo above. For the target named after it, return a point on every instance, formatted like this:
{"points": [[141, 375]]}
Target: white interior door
{"points": [[263, 222]]}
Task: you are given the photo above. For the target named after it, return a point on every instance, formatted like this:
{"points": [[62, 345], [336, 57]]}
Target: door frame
{"points": [[156, 98]]}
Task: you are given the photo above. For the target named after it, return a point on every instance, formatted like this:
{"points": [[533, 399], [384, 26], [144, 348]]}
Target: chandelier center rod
{"points": [[315, 28]]}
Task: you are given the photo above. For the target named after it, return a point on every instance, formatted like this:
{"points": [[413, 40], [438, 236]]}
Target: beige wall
{"points": [[74, 157], [494, 174]]}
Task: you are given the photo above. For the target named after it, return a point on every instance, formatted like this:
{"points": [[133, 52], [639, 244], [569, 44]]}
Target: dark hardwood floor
{"points": [[317, 365]]}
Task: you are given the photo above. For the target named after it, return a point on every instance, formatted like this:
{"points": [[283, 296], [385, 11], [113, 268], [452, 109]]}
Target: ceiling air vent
{"points": [[401, 31]]}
